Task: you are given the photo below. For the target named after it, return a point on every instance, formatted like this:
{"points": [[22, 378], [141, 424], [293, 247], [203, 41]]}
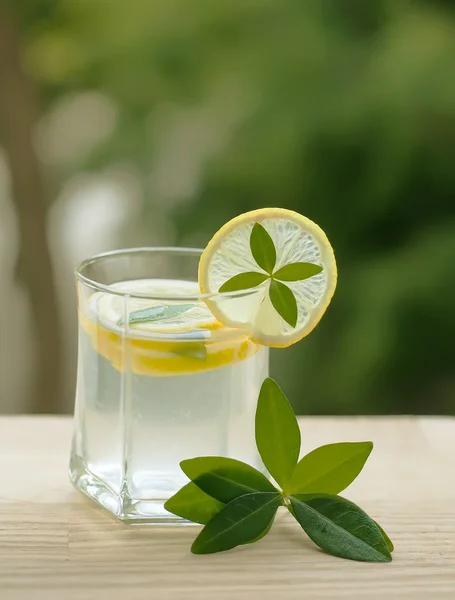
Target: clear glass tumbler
{"points": [[159, 380]]}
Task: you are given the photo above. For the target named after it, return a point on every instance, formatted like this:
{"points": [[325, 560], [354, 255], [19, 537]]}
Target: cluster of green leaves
{"points": [[281, 296], [237, 503]]}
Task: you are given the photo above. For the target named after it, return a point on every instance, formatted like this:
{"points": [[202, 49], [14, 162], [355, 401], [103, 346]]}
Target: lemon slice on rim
{"points": [[296, 239]]}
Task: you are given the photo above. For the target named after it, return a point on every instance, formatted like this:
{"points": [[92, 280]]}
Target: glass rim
{"points": [[100, 287]]}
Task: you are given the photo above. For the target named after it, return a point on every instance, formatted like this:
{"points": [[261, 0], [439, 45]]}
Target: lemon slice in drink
{"points": [[235, 250], [162, 337], [148, 316]]}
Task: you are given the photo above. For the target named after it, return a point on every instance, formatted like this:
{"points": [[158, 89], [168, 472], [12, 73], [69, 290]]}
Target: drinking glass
{"points": [[150, 395]]}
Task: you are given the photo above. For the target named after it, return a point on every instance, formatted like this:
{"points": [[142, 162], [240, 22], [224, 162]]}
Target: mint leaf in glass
{"points": [[277, 432], [283, 301], [156, 313], [225, 478], [297, 271], [243, 281], [329, 469], [340, 527], [241, 521], [196, 350], [193, 504], [262, 248]]}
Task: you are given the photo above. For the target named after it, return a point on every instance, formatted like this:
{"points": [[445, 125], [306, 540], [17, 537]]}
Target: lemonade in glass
{"points": [[159, 379]]}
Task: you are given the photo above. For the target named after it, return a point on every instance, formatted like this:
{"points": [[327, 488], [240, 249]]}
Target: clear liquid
{"points": [[134, 428]]}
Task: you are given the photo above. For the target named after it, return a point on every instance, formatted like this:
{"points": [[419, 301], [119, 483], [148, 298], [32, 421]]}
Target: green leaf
{"points": [[387, 540], [193, 504], [329, 469], [277, 432], [262, 248], [243, 281], [297, 271], [283, 301], [264, 533], [225, 478], [241, 521], [196, 350], [340, 527], [157, 313]]}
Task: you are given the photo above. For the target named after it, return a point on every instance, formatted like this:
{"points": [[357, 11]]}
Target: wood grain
{"points": [[56, 545]]}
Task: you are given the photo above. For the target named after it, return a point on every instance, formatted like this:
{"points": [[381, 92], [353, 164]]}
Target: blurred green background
{"points": [[153, 122]]}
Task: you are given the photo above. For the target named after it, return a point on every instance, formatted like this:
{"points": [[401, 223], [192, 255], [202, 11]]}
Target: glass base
{"points": [[126, 509]]}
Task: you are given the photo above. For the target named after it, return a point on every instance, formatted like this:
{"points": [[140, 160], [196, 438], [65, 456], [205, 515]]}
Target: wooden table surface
{"points": [[57, 545]]}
